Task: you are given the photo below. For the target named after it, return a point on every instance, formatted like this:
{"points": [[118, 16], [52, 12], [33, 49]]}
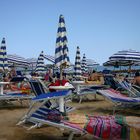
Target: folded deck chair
{"points": [[42, 103], [106, 127], [119, 99]]}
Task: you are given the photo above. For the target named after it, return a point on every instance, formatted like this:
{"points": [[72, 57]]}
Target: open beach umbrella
{"points": [[61, 50], [16, 60], [124, 58], [40, 66], [77, 67], [84, 65], [3, 57]]}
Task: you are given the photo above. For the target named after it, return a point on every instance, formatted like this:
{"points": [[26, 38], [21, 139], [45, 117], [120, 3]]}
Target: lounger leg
{"points": [[80, 99], [71, 136]]}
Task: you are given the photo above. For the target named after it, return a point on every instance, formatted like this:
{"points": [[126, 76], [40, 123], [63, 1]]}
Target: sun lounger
{"points": [[86, 89], [43, 102], [11, 96], [119, 99], [122, 86], [106, 127], [17, 95]]}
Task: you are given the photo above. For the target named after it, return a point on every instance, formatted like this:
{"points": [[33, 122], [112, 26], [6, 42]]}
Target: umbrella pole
{"points": [[129, 70], [61, 75]]}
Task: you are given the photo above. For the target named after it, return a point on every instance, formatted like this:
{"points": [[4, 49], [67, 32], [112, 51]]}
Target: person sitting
{"points": [[137, 79], [96, 78]]}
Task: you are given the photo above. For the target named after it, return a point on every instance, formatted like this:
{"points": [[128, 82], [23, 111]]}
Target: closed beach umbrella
{"points": [[84, 65], [3, 57], [40, 66], [77, 67], [61, 50]]}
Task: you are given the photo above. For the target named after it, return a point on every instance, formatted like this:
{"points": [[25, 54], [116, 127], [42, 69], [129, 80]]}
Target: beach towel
{"points": [[106, 127]]}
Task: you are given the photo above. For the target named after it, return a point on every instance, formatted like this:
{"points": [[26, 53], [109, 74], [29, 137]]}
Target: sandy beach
{"points": [[9, 116]]}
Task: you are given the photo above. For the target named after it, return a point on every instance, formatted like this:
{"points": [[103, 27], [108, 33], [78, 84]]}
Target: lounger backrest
{"points": [[111, 82], [18, 79], [36, 87]]}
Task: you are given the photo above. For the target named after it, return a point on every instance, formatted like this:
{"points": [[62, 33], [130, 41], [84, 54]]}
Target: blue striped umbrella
{"points": [[61, 50], [3, 57], [84, 65], [40, 66], [16, 60], [124, 58], [77, 67]]}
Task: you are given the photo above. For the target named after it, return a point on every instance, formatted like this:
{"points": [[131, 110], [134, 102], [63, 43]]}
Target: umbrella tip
{"points": [[3, 40]]}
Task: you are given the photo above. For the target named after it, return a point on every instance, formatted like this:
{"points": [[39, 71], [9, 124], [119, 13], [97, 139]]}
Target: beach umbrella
{"points": [[16, 60], [126, 55], [40, 66], [124, 58], [49, 58], [61, 50], [84, 65], [77, 67], [3, 57]]}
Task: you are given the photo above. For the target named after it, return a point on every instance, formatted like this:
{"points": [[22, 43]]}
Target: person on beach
{"points": [[137, 79], [96, 77]]}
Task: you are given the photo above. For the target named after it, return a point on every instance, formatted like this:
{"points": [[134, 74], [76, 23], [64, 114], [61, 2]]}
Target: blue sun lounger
{"points": [[43, 102]]}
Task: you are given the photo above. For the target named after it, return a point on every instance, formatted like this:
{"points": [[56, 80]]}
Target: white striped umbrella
{"points": [[61, 50], [16, 60], [84, 65], [3, 57], [77, 67], [124, 58], [40, 66], [126, 55]]}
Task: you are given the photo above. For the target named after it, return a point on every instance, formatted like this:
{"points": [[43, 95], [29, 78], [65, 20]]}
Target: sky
{"points": [[99, 27]]}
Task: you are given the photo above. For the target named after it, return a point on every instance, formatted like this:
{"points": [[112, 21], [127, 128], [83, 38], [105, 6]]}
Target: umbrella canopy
{"points": [[16, 60], [3, 57], [84, 65], [77, 67], [124, 58], [49, 58], [61, 50], [40, 66]]}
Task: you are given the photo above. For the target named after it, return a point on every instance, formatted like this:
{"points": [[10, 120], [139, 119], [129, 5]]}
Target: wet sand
{"points": [[9, 116]]}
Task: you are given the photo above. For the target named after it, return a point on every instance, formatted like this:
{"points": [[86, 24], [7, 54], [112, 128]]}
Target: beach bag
{"points": [[54, 116]]}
